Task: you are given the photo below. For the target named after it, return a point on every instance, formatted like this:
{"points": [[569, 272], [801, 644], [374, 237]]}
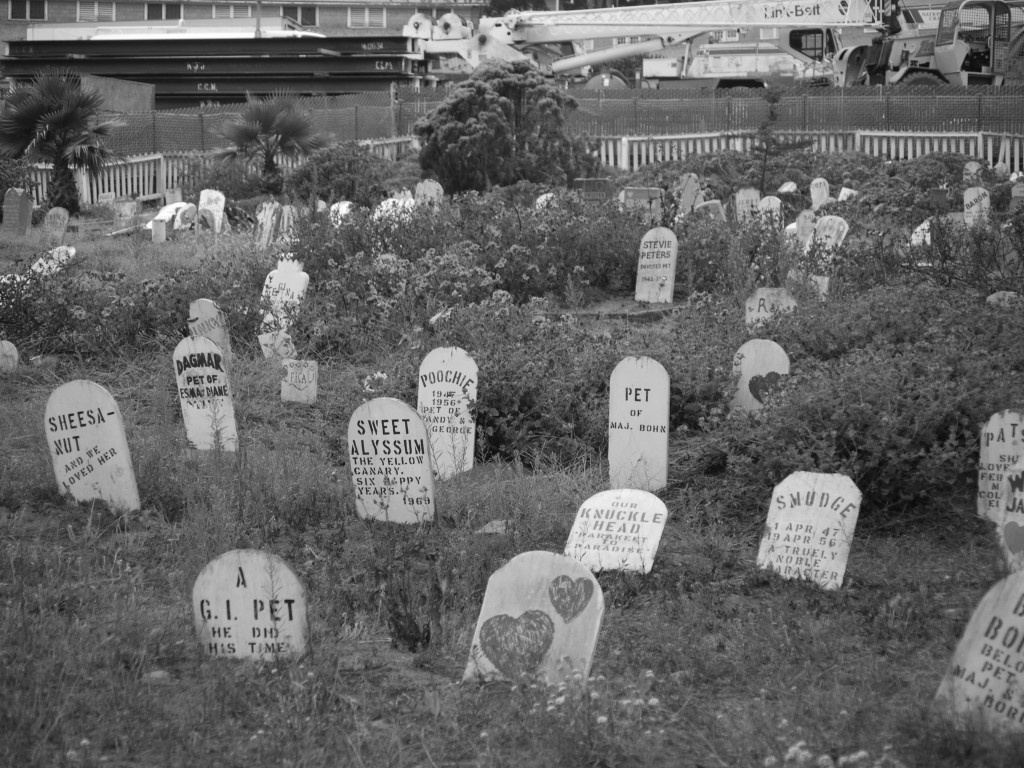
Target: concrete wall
{"points": [[122, 95]]}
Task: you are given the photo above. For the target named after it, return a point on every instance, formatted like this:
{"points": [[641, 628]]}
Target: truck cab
{"points": [[979, 42]]}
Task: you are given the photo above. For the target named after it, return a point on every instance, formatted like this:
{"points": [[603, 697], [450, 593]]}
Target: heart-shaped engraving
{"points": [[761, 385], [516, 647], [570, 597], [1013, 536]]}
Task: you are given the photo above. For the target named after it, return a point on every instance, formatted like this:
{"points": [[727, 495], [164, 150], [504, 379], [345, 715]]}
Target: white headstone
{"points": [[805, 226], [56, 225], [847, 194], [972, 170], [447, 396], [746, 201], [54, 260], [429, 191], [340, 211], [8, 357], [1002, 446], [172, 195], [760, 365], [819, 193], [540, 617], [788, 188], [829, 234], [976, 206], [394, 210], [17, 213], [618, 530], [300, 381], [159, 228], [88, 446], [389, 452], [268, 220], [286, 223], [283, 290], [686, 192], [205, 394], [656, 270], [770, 206], [106, 198], [765, 303], [213, 200], [1010, 516], [810, 528], [249, 604], [981, 689], [206, 319], [638, 396], [713, 209], [185, 218], [922, 234], [124, 212]]}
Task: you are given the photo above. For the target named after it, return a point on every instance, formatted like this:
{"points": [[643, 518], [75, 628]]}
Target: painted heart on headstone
{"points": [[570, 597], [1013, 535], [763, 384], [517, 646]]}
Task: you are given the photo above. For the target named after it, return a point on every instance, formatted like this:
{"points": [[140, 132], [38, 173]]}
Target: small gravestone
{"points": [[447, 396], [283, 291], [1005, 299], [185, 218], [17, 212], [268, 219], [55, 225], [766, 303], [340, 211], [647, 199], [811, 520], [286, 224], [206, 220], [981, 690], [249, 604], [594, 190], [760, 365], [277, 345], [106, 198], [788, 188], [206, 319], [656, 270], [770, 207], [54, 260], [846, 194], [1009, 517], [805, 226], [829, 234], [8, 357], [686, 191], [922, 234], [712, 209], [88, 446], [389, 452], [618, 530], [300, 381], [159, 230], [172, 195], [395, 210], [205, 394], [429, 192], [746, 201], [124, 213], [972, 171], [638, 395], [938, 197], [1017, 197], [976, 206], [1002, 446], [213, 200], [819, 193], [540, 617]]}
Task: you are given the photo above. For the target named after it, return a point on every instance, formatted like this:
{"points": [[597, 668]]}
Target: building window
{"points": [[96, 10], [303, 15], [28, 10], [225, 11], [366, 17], [163, 11]]}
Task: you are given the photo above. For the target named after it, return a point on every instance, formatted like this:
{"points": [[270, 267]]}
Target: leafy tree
{"points": [[504, 124], [267, 128], [54, 119], [347, 171]]}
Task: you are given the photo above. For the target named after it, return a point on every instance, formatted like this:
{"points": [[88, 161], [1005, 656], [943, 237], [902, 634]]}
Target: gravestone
{"points": [[972, 171], [976, 206], [321, 206], [88, 446], [8, 357], [765, 303], [1017, 197], [106, 198], [647, 199], [277, 345], [760, 365], [206, 319], [185, 218], [429, 192], [205, 394], [656, 270], [810, 528], [819, 193], [446, 399], [268, 219], [981, 690], [638, 399], [56, 225], [594, 190], [938, 197], [206, 220], [159, 229], [541, 616], [922, 234], [389, 452], [829, 234], [846, 194], [1002, 446], [286, 224], [394, 210], [124, 213], [249, 604], [1010, 516], [54, 260], [213, 200], [300, 381], [712, 209], [746, 201], [17, 212], [686, 192], [172, 195], [1005, 299], [770, 206], [618, 530], [283, 291], [805, 226], [340, 211]]}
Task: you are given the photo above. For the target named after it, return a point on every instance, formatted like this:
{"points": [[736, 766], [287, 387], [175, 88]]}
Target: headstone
{"points": [[981, 690], [206, 319], [172, 195], [300, 381], [8, 357], [389, 452], [56, 225], [686, 191], [647, 199], [638, 396], [788, 188], [340, 211], [124, 213], [206, 220], [267, 222], [249, 604], [805, 226], [213, 200], [54, 260], [394, 210], [1009, 516], [922, 234], [810, 528], [429, 192], [847, 194], [760, 365], [283, 291], [277, 345], [765, 303], [976, 206], [1017, 197], [321, 206], [286, 223], [656, 270], [829, 234], [819, 193], [185, 218], [88, 446], [106, 198], [17, 212], [1005, 299], [541, 616], [770, 206], [938, 197], [447, 396], [205, 394], [972, 170], [746, 201], [1002, 446], [594, 190], [618, 530], [159, 228], [713, 209]]}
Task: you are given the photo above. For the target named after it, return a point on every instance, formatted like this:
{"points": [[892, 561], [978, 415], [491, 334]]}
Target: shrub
{"points": [[347, 171], [237, 181]]}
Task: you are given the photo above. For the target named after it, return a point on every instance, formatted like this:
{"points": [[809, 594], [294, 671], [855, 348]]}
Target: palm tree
{"points": [[267, 128], [53, 119]]}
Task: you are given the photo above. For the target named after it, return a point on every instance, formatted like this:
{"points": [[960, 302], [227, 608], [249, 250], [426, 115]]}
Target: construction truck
{"points": [[971, 42]]}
